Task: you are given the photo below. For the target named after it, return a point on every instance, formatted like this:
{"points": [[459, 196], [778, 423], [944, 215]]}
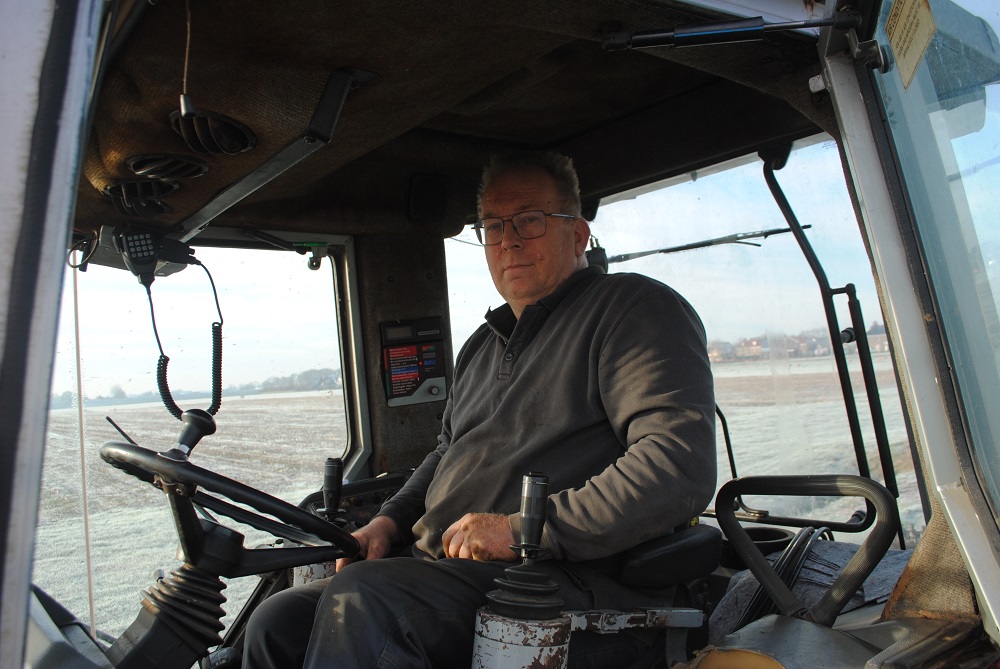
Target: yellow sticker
{"points": [[910, 28]]}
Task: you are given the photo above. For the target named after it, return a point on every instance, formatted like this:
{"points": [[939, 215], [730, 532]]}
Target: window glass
{"points": [[282, 413], [776, 379], [945, 125]]}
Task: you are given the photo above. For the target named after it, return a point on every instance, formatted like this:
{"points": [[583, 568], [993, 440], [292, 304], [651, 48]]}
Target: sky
{"points": [[278, 319]]}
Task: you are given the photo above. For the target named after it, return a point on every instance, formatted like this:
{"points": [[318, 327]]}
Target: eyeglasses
{"points": [[527, 224]]}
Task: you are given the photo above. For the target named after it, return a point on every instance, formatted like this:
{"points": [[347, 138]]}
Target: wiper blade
{"points": [[736, 238]]}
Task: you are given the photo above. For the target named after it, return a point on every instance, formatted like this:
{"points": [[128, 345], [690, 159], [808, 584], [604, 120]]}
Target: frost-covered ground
{"points": [[276, 443]]}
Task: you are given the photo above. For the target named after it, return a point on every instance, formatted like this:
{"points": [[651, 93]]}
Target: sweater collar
{"points": [[502, 320]]}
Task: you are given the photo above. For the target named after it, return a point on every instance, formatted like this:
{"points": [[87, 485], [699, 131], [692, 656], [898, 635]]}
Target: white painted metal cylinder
{"points": [[510, 643]]}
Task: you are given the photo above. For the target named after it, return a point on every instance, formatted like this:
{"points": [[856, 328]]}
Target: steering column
{"points": [[181, 615]]}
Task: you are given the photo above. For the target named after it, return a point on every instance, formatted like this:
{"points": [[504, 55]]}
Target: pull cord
{"points": [[83, 455], [161, 365]]}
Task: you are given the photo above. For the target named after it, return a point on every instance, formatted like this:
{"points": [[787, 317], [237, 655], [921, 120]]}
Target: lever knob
{"points": [[197, 424], [534, 503], [333, 477]]}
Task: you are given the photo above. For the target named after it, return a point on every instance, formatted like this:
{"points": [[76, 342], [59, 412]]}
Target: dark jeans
{"points": [[401, 613]]}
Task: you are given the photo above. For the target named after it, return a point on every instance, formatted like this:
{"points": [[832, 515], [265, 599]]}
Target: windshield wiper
{"points": [[737, 238]]}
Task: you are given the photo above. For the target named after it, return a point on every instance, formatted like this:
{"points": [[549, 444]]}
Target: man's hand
{"points": [[375, 539], [479, 536]]}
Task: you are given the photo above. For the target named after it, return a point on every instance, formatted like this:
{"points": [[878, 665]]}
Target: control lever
{"points": [[333, 477], [534, 506], [197, 424], [526, 592]]}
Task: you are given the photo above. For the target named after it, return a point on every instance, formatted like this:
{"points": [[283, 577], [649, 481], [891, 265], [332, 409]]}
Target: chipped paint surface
{"points": [[508, 643], [313, 572], [609, 622]]}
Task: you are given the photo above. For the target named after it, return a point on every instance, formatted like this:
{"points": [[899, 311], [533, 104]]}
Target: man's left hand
{"points": [[479, 536]]}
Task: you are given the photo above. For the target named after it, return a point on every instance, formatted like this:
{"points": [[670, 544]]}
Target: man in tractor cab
{"points": [[601, 382]]}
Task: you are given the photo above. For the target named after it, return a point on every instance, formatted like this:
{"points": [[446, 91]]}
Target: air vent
{"points": [[140, 197], [166, 166], [208, 132]]}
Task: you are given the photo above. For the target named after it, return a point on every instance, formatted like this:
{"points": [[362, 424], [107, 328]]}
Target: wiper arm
{"points": [[737, 238], [719, 32]]}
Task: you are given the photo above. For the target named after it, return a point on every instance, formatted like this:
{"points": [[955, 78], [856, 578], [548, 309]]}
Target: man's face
{"points": [[525, 270]]}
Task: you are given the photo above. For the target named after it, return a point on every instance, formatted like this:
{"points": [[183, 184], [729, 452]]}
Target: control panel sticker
{"points": [[413, 361]]}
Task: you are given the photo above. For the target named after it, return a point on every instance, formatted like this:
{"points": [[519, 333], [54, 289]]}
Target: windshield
{"points": [[282, 413], [775, 377], [946, 132]]}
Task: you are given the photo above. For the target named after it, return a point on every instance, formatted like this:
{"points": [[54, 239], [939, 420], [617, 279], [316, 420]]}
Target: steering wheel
{"points": [[206, 543]]}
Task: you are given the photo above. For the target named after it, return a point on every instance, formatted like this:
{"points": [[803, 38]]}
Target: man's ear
{"points": [[581, 236]]}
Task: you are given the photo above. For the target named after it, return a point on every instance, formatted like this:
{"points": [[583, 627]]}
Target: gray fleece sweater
{"points": [[605, 387]]}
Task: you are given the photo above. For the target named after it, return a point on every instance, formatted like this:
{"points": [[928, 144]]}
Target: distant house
{"points": [[810, 346], [721, 351], [752, 349], [807, 344], [878, 341]]}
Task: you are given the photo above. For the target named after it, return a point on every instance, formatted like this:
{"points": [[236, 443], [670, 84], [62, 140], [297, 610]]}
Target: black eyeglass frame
{"points": [[480, 225]]}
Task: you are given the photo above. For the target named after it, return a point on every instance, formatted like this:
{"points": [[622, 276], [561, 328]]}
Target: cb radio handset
{"points": [[142, 250], [138, 249]]}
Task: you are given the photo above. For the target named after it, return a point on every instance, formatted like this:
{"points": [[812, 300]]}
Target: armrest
{"points": [[676, 558]]}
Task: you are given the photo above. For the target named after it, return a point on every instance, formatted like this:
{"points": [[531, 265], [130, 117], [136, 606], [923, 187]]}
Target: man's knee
{"points": [[361, 590], [278, 630], [289, 608]]}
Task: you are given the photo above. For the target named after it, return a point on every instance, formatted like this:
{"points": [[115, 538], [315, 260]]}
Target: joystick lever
{"points": [[534, 503], [197, 424], [527, 592], [333, 477]]}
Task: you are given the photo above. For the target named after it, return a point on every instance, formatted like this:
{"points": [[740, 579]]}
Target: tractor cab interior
{"points": [[343, 143]]}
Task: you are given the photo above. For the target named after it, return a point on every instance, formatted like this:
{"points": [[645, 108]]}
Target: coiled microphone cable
{"points": [[161, 365]]}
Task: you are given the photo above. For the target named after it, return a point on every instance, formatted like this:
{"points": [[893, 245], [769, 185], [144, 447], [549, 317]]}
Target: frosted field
{"points": [[277, 443], [791, 423]]}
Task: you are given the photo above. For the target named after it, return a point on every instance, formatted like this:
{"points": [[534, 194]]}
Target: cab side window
{"points": [[282, 413]]}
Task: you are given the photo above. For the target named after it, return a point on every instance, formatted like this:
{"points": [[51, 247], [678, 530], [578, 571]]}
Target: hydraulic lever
{"points": [[534, 503], [333, 478], [526, 592], [522, 624]]}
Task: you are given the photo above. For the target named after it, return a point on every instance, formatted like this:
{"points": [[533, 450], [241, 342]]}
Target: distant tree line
{"points": [[312, 379]]}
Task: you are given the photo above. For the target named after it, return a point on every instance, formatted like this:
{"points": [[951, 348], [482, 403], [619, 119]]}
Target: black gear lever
{"points": [[527, 592], [534, 503], [333, 477], [197, 424]]}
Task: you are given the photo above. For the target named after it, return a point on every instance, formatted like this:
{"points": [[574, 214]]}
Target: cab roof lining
{"points": [[451, 86]]}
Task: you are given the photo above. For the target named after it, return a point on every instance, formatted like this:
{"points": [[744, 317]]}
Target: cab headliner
{"points": [[436, 88]]}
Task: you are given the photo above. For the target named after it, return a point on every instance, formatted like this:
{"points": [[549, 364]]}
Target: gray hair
{"points": [[558, 166]]}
